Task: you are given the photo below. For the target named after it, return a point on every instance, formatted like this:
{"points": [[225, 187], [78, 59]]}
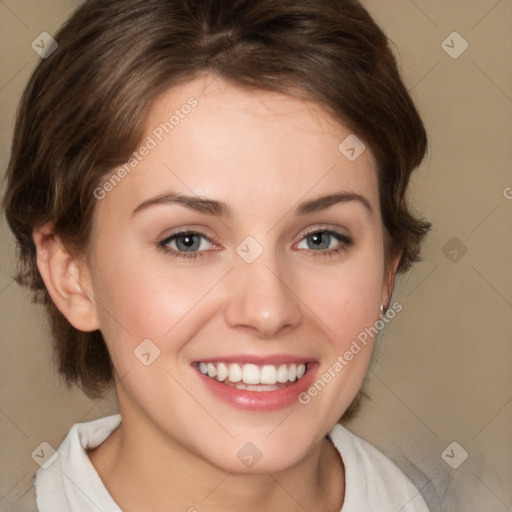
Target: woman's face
{"points": [[242, 242]]}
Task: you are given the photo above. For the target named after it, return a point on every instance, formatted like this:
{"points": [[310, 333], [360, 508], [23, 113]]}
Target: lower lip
{"points": [[260, 400]]}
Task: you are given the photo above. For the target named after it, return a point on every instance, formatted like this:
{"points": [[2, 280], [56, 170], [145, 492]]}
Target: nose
{"points": [[262, 299]]}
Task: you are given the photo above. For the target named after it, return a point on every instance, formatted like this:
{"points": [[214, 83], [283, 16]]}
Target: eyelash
{"points": [[346, 243]]}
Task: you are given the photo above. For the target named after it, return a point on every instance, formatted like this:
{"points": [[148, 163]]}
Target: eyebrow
{"points": [[221, 209]]}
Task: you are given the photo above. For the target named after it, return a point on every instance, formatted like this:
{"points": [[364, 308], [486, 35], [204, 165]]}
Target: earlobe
{"points": [[389, 281], [66, 279]]}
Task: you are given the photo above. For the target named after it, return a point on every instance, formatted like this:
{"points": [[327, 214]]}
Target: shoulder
{"points": [[372, 481], [67, 477]]}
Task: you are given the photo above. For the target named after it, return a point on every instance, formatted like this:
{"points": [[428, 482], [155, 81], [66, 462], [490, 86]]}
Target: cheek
{"points": [[346, 301], [149, 299], [347, 297]]}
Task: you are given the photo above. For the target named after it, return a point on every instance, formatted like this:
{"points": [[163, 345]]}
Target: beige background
{"points": [[444, 369]]}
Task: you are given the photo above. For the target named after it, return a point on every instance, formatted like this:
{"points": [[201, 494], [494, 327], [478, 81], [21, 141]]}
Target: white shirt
{"points": [[71, 484]]}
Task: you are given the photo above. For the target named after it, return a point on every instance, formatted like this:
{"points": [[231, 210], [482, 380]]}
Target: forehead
{"points": [[210, 138]]}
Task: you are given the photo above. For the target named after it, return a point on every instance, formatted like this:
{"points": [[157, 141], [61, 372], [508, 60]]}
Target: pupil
{"points": [[187, 242], [317, 239]]}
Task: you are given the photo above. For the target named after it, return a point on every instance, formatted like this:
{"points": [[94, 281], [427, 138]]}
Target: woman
{"points": [[208, 197]]}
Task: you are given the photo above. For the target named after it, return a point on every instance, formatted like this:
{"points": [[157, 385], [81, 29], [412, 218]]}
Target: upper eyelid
{"points": [[331, 231], [172, 236]]}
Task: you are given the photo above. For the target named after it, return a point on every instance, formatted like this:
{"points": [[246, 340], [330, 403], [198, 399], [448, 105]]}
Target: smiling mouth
{"points": [[252, 377]]}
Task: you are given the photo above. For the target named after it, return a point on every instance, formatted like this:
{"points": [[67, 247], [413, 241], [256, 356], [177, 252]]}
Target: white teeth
{"points": [[212, 370], [282, 373], [235, 372], [252, 376], [259, 387], [268, 374], [222, 371]]}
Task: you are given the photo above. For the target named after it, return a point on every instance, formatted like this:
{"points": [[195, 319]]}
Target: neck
{"points": [[146, 470]]}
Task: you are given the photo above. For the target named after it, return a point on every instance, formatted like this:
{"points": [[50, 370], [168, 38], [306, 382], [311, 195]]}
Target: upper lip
{"points": [[257, 360]]}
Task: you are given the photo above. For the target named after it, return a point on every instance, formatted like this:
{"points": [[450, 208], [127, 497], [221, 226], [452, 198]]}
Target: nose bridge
{"points": [[261, 295]]}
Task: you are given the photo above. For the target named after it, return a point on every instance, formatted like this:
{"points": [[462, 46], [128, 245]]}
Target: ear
{"points": [[389, 279], [66, 278]]}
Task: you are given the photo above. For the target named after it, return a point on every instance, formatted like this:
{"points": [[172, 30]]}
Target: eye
{"points": [[192, 244], [325, 242], [187, 244]]}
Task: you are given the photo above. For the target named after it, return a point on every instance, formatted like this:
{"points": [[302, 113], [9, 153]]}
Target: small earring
{"points": [[382, 308]]}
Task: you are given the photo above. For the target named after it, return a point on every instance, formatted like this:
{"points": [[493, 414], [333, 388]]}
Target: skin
{"points": [[261, 153]]}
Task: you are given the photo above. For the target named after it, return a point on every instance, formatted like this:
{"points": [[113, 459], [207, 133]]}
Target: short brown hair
{"points": [[83, 111]]}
